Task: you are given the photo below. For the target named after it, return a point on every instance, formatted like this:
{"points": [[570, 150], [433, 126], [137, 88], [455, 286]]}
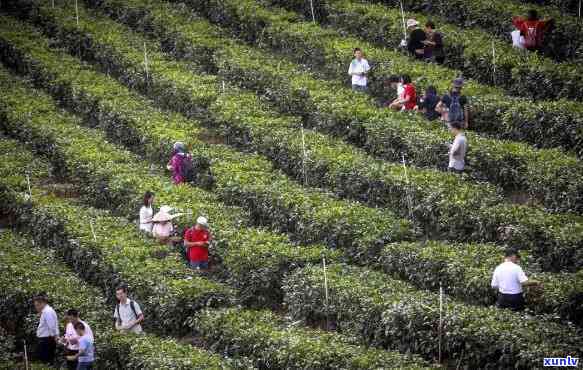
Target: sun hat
{"points": [[411, 23], [202, 221], [166, 209], [179, 146], [163, 215], [458, 82]]}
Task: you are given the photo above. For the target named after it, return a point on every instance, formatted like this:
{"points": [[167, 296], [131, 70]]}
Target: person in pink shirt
{"points": [[71, 338], [180, 163]]}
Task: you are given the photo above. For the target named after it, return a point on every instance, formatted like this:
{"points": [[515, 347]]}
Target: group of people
{"points": [[78, 341], [530, 31]]}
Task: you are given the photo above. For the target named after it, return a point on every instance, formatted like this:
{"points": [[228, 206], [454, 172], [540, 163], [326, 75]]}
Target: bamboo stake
{"points": [[305, 156], [29, 188], [93, 231], [493, 63], [409, 200], [25, 356], [312, 8], [326, 291], [146, 62], [76, 12], [440, 318]]}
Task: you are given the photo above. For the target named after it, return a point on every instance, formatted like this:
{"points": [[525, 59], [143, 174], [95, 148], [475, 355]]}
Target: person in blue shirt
{"points": [[86, 354]]}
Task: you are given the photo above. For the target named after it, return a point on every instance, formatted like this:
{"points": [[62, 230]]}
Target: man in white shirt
{"points": [[358, 70], [48, 329], [509, 278], [71, 338], [127, 314], [458, 149]]}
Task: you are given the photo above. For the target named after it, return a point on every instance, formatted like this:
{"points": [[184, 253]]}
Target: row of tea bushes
{"points": [[28, 270], [392, 314]]}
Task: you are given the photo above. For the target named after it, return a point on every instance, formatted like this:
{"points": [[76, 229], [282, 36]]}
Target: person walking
{"points": [[358, 70], [455, 107], [147, 213], [509, 278], [458, 149], [86, 354], [196, 241], [71, 338], [128, 315], [47, 331]]}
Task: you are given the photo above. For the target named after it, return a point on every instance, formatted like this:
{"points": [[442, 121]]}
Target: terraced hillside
{"points": [[335, 225]]}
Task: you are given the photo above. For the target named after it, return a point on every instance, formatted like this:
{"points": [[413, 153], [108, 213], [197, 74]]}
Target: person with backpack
{"points": [[454, 107], [196, 242], [180, 164], [533, 29], [128, 315], [358, 71], [458, 149]]}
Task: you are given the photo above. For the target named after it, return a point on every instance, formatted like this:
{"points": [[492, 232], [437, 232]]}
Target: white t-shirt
{"points": [[401, 91], [126, 315], [358, 66], [508, 278], [146, 214], [48, 325], [457, 152]]}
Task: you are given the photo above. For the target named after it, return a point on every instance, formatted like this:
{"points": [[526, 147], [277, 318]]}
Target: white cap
{"points": [[202, 221], [411, 23]]}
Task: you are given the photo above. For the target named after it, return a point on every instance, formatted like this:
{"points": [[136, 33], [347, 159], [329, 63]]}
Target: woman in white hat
{"points": [[417, 36], [163, 228], [196, 241]]}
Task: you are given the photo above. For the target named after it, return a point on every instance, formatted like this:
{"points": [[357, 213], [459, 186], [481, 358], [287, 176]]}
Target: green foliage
{"points": [[19, 282], [443, 204], [273, 343], [392, 314], [329, 107]]}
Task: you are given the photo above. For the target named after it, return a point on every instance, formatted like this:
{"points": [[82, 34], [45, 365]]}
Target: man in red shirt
{"points": [[196, 241], [532, 29]]}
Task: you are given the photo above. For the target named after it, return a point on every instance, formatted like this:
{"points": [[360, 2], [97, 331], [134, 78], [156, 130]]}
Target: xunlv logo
{"points": [[561, 361]]}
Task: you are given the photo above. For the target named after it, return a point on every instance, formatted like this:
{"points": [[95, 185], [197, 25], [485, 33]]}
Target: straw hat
{"points": [[163, 215]]}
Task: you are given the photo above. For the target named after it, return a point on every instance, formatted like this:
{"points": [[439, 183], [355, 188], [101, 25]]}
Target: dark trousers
{"points": [[515, 302], [46, 350], [85, 366], [453, 170], [71, 365]]}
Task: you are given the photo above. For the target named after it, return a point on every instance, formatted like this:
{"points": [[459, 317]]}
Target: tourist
{"points": [[428, 103], [415, 43], [128, 315], [86, 354], [394, 82], [196, 241], [47, 331], [457, 150], [433, 50], [517, 39], [180, 164], [147, 213], [163, 227], [359, 69], [508, 279], [71, 338], [533, 29], [408, 100], [454, 107]]}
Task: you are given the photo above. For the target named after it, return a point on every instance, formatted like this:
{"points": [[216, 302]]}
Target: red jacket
{"points": [[198, 254], [531, 30]]}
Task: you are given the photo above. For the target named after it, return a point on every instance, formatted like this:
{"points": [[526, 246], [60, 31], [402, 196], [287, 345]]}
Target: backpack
{"points": [[132, 306], [456, 112], [187, 168], [530, 36]]}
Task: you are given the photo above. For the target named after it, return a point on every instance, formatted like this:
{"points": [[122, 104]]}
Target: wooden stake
{"points": [[326, 291], [403, 19], [76, 12], [312, 8], [305, 156], [93, 231], [146, 62], [440, 318], [409, 200], [25, 356], [493, 63], [29, 188]]}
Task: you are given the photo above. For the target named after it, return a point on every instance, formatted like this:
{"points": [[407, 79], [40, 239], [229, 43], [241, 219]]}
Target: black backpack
{"points": [[456, 112], [187, 168]]}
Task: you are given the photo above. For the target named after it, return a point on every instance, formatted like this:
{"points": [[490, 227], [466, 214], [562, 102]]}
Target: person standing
{"points": [[457, 150], [128, 315], [180, 164], [358, 70], [147, 213], [86, 354], [47, 331], [71, 338], [455, 107], [415, 43], [508, 278], [533, 29], [433, 44], [196, 241]]}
